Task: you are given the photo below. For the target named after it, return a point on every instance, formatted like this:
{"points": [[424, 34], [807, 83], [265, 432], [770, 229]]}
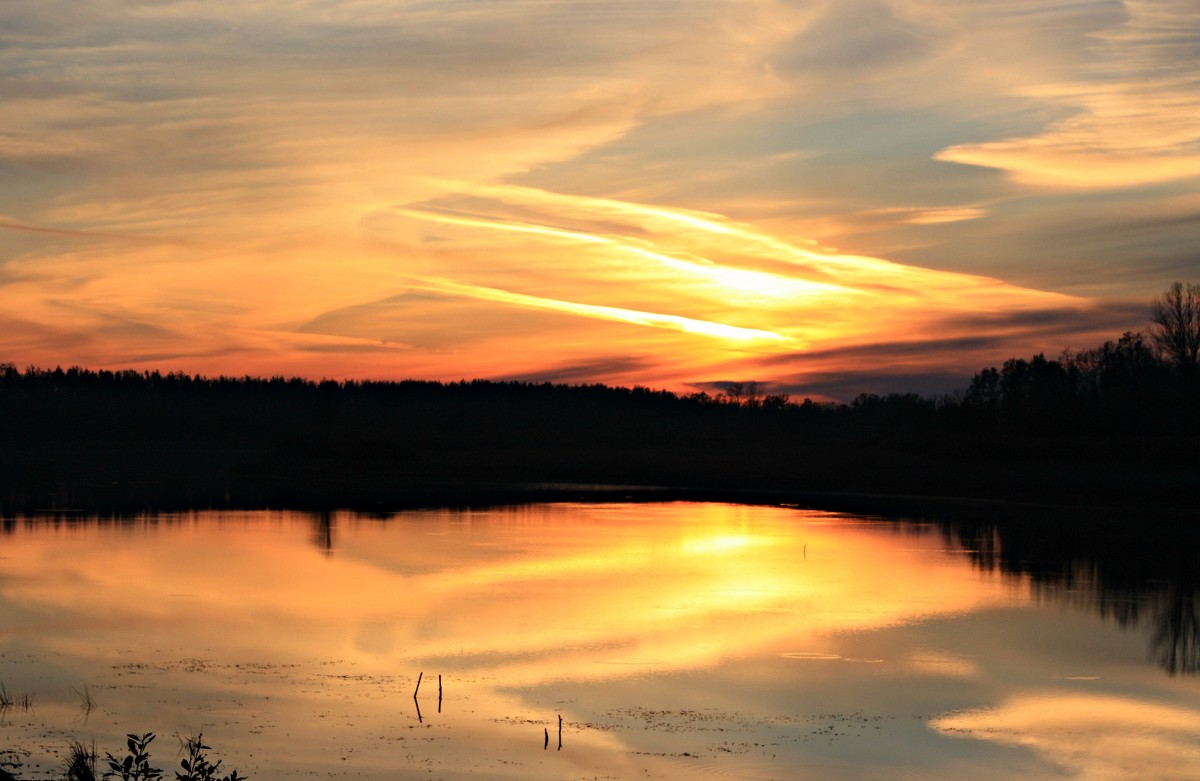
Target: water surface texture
{"points": [[673, 640]]}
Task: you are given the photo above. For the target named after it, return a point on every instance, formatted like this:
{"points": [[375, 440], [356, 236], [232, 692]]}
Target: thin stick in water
{"points": [[419, 675]]}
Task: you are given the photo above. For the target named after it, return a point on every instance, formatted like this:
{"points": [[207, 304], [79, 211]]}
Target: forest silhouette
{"points": [[1115, 426]]}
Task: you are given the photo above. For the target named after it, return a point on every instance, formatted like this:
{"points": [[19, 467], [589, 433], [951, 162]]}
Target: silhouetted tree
{"points": [[1036, 395], [1123, 385], [984, 391], [1175, 329], [749, 393], [775, 401]]}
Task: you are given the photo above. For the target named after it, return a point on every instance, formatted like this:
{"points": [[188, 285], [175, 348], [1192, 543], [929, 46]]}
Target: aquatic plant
{"points": [[8, 701], [86, 703], [136, 764], [196, 766], [81, 762]]}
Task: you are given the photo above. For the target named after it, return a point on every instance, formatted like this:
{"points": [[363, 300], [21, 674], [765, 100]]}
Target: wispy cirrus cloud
{"points": [[1134, 110], [687, 325]]}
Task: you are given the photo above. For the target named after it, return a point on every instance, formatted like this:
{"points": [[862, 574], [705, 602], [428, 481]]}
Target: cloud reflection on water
{"points": [[1097, 737], [660, 632]]}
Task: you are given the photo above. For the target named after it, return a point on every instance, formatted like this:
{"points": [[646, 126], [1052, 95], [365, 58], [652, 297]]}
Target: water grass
{"points": [[197, 767], [81, 762], [10, 701], [86, 703]]}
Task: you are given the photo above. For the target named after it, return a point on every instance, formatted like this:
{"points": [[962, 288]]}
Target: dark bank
{"points": [[1115, 427]]}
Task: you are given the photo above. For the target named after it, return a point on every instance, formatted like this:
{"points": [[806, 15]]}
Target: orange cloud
{"points": [[339, 195], [721, 295]]}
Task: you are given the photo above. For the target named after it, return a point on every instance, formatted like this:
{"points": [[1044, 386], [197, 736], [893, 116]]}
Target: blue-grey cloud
{"points": [[846, 386], [942, 366], [861, 35], [426, 321], [584, 372]]}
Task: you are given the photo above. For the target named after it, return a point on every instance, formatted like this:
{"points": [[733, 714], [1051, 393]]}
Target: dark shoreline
{"points": [[133, 442], [123, 482]]}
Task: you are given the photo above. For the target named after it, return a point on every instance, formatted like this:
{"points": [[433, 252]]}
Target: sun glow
{"points": [[733, 280], [723, 543], [653, 319], [519, 281]]}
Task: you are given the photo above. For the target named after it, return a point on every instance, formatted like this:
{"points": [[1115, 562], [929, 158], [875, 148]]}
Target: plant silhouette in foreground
{"points": [[196, 766], [136, 764], [81, 762]]}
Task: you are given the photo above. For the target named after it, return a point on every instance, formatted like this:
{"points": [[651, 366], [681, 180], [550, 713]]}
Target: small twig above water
{"points": [[418, 704]]}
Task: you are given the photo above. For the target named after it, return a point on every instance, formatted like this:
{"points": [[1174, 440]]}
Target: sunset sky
{"points": [[828, 196]]}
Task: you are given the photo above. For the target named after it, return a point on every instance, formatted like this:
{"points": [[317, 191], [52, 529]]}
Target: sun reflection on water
{"points": [[268, 630]]}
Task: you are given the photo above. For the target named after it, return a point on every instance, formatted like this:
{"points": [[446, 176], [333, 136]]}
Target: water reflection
{"points": [[1138, 575], [1091, 736], [1176, 640], [322, 531], [672, 639]]}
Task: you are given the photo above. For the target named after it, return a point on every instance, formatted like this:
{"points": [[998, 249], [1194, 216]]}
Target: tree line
{"points": [[1139, 384], [1135, 398]]}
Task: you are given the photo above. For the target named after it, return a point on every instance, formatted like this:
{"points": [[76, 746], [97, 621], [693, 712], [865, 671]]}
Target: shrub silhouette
{"points": [[196, 766], [136, 764]]}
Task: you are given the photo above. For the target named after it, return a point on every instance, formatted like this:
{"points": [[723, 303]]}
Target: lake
{"points": [[673, 640]]}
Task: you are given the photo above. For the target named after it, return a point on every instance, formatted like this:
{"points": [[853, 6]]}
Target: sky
{"points": [[828, 197]]}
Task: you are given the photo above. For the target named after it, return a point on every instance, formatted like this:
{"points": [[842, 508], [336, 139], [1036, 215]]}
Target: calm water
{"points": [[674, 641]]}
